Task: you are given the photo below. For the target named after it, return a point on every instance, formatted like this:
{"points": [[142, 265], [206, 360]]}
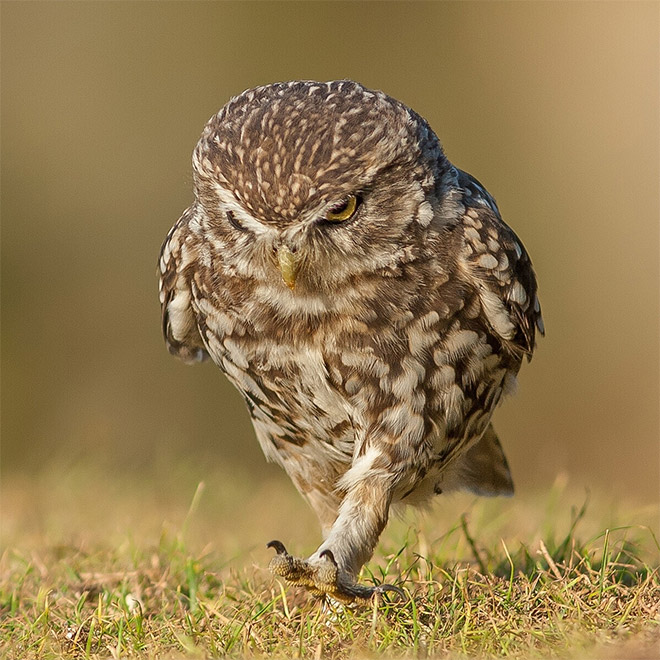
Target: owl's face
{"points": [[304, 186]]}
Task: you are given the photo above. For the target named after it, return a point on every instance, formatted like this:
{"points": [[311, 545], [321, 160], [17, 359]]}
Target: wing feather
{"points": [[179, 321], [498, 264]]}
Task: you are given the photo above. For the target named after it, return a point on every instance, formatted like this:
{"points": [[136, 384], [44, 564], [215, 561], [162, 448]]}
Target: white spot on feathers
{"points": [[517, 293], [425, 214], [460, 342], [487, 260], [496, 314]]}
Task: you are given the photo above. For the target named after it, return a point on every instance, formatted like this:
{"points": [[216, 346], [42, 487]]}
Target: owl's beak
{"points": [[288, 264]]}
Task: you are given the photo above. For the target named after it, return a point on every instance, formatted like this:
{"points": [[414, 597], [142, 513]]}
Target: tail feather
{"points": [[483, 469]]}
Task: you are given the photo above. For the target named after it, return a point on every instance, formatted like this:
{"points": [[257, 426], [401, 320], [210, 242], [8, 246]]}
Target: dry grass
{"points": [[90, 570]]}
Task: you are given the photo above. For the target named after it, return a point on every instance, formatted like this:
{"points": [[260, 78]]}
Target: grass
{"points": [[101, 566]]}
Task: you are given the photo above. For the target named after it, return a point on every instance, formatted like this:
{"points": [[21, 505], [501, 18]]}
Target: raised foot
{"points": [[322, 577]]}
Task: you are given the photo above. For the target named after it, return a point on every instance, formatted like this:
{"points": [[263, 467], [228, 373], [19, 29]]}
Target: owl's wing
{"points": [[179, 321], [496, 262]]}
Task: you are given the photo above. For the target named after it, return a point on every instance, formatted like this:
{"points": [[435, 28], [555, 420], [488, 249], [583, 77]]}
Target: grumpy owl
{"points": [[363, 295]]}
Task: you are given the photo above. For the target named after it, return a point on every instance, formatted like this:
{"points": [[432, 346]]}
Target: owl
{"points": [[365, 298]]}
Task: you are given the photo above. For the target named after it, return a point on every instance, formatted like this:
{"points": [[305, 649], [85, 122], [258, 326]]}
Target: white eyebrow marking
{"points": [[229, 203]]}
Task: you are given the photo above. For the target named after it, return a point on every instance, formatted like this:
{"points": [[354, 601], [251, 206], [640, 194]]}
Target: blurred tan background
{"points": [[553, 106]]}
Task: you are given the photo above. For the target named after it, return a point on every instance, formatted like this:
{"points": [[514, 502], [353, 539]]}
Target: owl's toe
{"points": [[322, 577], [292, 569]]}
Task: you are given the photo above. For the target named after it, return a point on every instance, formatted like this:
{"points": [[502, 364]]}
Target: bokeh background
{"points": [[553, 106]]}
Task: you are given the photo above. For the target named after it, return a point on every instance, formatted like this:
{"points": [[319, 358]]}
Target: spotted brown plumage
{"points": [[363, 295]]}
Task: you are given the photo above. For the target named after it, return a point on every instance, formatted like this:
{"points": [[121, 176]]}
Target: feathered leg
{"points": [[332, 570]]}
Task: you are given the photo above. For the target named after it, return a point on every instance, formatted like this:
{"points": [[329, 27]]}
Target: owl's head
{"points": [[322, 181]]}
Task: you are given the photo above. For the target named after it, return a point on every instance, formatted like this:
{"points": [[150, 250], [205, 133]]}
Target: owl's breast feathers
{"points": [[420, 364]]}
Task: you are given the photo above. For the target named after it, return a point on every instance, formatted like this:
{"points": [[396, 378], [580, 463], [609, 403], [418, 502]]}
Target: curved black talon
{"points": [[328, 554], [292, 569], [278, 546], [363, 594], [382, 588]]}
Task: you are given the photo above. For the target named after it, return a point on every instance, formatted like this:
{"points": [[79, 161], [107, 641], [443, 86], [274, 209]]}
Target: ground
{"points": [[142, 565]]}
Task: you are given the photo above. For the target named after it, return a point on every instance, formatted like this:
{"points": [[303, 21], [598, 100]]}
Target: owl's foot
{"points": [[322, 577]]}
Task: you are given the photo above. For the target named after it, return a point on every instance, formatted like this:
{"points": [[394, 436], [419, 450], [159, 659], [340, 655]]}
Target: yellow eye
{"points": [[344, 211]]}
